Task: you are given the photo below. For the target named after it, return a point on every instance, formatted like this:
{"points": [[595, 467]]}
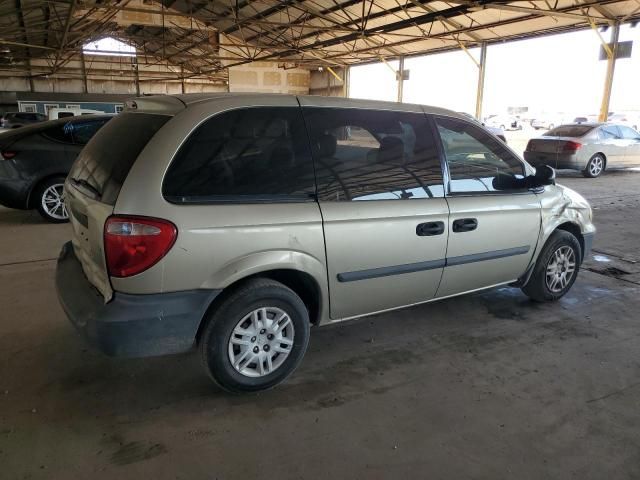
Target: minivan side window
{"points": [[363, 154], [252, 154], [474, 158]]}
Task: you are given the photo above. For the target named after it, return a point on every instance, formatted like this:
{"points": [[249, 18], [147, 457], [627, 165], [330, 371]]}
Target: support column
{"points": [[400, 78], [85, 86], [136, 76], [182, 79], [481, 70], [612, 54], [346, 82]]}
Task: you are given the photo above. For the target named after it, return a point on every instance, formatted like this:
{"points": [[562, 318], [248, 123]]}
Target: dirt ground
{"points": [[485, 386]]}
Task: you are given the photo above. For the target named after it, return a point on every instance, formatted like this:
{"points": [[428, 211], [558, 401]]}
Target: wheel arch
{"points": [[573, 229], [302, 283], [36, 186]]}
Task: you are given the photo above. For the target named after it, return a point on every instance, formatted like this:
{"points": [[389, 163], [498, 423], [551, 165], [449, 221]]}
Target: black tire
{"points": [[214, 342], [537, 287], [590, 171], [38, 200]]}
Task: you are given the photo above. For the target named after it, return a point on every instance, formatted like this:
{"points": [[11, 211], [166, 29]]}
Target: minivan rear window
{"points": [[106, 160], [570, 131]]}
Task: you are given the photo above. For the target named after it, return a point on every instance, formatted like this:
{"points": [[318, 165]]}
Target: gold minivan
{"points": [[234, 222]]}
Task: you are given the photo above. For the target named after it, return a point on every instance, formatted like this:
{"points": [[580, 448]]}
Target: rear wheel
{"points": [[595, 166], [556, 268], [50, 200], [256, 337]]}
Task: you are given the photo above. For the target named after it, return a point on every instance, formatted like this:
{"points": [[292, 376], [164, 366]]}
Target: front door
{"points": [[631, 140], [493, 230], [382, 201]]}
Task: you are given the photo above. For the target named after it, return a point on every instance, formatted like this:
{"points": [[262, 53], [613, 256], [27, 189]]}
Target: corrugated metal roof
{"points": [[204, 37]]}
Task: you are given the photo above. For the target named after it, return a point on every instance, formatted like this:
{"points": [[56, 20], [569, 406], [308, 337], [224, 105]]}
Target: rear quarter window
{"points": [[256, 154], [106, 160]]}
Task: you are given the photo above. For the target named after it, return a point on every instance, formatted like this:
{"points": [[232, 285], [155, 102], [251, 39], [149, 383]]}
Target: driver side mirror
{"points": [[545, 175]]}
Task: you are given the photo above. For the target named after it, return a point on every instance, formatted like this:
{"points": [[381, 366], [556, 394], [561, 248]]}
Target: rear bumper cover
{"points": [[129, 325]]}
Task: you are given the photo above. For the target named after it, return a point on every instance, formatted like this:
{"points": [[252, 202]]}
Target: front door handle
{"points": [[465, 225], [430, 229]]}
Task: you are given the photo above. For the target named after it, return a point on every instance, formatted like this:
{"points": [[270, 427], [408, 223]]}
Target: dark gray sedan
{"points": [[588, 147], [35, 160]]}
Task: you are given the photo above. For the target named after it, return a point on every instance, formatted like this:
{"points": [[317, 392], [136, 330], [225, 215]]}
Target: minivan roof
{"points": [[172, 104]]}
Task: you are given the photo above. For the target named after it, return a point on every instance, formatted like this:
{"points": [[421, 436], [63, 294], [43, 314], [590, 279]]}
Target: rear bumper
{"points": [[553, 160], [14, 190], [129, 325]]}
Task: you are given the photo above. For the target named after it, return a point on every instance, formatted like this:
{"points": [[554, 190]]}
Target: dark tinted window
{"points": [[83, 131], [474, 157], [373, 155], [628, 133], [569, 131], [609, 132], [60, 132], [106, 160], [251, 154], [65, 114]]}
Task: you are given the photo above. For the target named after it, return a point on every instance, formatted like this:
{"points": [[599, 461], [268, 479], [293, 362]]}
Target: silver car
{"points": [[232, 223], [588, 147]]}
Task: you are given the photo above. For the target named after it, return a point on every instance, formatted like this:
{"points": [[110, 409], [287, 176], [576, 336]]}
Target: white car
{"points": [[507, 122]]}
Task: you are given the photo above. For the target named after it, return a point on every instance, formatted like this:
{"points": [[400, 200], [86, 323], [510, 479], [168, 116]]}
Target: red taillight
{"points": [[570, 146], [8, 155], [134, 244]]}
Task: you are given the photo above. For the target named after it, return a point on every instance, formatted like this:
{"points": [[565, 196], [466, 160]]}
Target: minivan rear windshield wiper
{"points": [[84, 185]]}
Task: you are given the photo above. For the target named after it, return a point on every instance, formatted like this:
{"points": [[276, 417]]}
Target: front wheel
{"points": [[594, 167], [50, 200], [256, 337], [556, 268]]}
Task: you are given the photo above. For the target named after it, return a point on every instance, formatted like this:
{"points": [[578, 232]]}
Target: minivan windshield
{"points": [[569, 131], [105, 162]]}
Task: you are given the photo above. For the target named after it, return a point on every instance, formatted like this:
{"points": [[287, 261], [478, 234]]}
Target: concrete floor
{"points": [[484, 386]]}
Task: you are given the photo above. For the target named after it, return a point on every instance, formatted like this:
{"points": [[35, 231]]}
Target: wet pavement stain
{"points": [[133, 452]]}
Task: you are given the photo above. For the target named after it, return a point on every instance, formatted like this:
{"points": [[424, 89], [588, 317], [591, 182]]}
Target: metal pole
{"points": [[85, 86], [400, 77], [481, 70], [136, 76], [611, 66], [345, 82]]}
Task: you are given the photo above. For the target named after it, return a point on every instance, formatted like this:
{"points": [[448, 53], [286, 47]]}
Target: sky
{"points": [[554, 74]]}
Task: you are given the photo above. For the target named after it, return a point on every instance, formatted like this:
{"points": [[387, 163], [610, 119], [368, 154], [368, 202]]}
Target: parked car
{"points": [[497, 131], [234, 222], [590, 148], [20, 119], [509, 122], [547, 122], [35, 160], [56, 113]]}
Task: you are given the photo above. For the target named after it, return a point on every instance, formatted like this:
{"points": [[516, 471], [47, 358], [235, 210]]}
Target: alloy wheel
{"points": [[596, 166], [53, 202], [560, 269], [261, 342]]}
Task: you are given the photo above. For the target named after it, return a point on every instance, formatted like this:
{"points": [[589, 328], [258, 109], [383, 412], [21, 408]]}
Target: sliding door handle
{"points": [[465, 225], [430, 229]]}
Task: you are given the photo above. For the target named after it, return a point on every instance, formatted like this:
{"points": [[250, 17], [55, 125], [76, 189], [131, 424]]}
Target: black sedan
{"points": [[35, 160]]}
